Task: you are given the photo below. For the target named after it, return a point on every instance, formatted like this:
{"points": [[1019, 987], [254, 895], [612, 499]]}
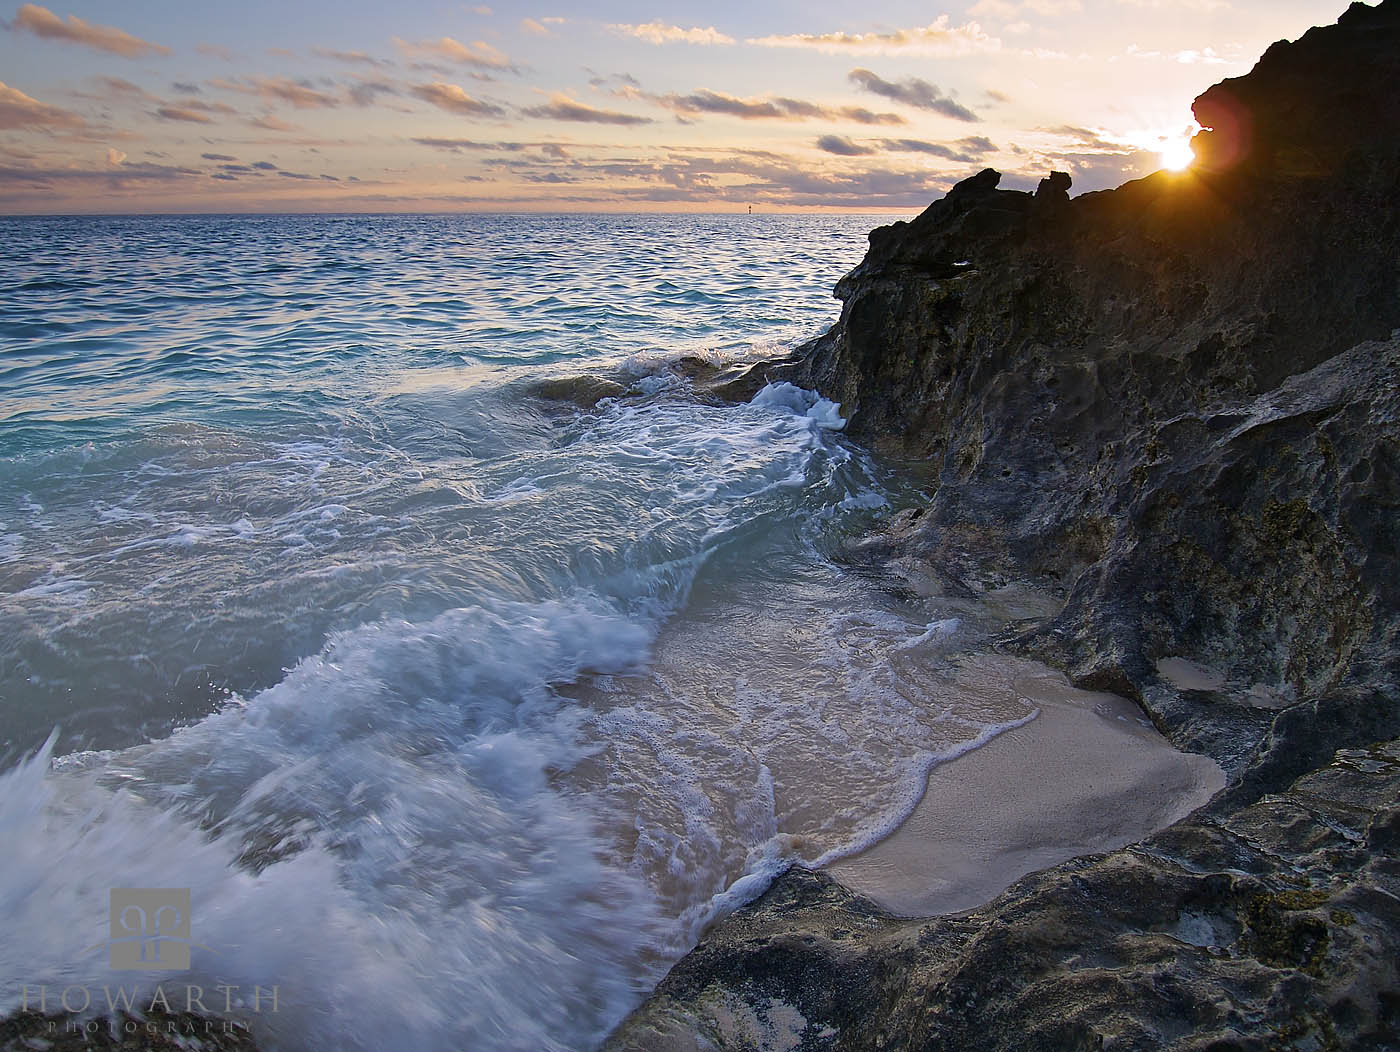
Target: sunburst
{"points": [[1176, 155]]}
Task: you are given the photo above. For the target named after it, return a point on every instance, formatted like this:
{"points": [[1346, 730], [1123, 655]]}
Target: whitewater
{"points": [[459, 707]]}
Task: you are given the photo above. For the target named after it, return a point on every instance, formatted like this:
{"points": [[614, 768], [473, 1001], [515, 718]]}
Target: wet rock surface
{"points": [[1275, 926], [1177, 405], [156, 1032]]}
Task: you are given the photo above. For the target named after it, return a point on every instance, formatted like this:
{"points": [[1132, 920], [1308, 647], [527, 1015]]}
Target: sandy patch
{"points": [[1089, 774]]}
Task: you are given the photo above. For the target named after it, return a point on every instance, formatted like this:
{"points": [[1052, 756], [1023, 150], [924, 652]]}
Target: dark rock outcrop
{"points": [[1276, 926], [1054, 188], [1179, 402], [156, 1032], [1177, 398]]}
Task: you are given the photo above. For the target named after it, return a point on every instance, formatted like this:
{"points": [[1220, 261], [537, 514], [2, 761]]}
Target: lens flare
{"points": [[1177, 156]]}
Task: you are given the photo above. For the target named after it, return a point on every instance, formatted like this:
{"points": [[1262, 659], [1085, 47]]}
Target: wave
{"points": [[391, 834]]}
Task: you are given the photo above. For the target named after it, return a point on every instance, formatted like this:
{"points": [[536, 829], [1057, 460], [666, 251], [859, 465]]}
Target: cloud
{"points": [[549, 149], [264, 166], [779, 179], [977, 144], [298, 94], [534, 28], [184, 88], [912, 91], [365, 92], [1100, 171], [696, 176], [120, 88], [180, 113], [481, 9], [936, 38], [195, 111], [18, 110], [1098, 159], [31, 18], [705, 101], [550, 177], [843, 147], [800, 109], [215, 51], [772, 108], [455, 145], [114, 176], [115, 157], [478, 53], [661, 33], [964, 151], [861, 115], [217, 157], [209, 107], [357, 58], [623, 85], [562, 108], [270, 123], [453, 99], [1206, 56], [116, 86], [1085, 137], [1191, 56]]}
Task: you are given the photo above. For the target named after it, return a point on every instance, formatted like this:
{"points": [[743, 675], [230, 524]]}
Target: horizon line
{"points": [[872, 211]]}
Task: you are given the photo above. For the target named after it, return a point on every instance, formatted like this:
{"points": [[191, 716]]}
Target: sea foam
{"points": [[458, 717]]}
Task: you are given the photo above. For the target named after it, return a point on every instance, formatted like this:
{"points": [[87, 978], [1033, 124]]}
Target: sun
{"points": [[1176, 155]]}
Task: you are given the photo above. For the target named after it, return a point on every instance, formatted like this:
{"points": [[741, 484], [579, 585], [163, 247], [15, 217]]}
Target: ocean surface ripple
{"points": [[459, 710]]}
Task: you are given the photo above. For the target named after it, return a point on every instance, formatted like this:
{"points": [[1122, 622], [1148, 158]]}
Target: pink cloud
{"points": [[453, 99], [18, 110], [42, 22], [477, 53]]}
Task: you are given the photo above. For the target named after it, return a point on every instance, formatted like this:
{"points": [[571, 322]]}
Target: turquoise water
{"points": [[113, 322], [328, 396], [459, 709]]}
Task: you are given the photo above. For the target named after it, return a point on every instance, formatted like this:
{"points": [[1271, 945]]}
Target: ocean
{"points": [[459, 707]]}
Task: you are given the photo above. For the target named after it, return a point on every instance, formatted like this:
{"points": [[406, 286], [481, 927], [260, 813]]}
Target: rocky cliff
{"points": [[1179, 401]]}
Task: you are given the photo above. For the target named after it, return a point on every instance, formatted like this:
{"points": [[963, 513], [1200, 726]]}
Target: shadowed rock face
{"points": [[1304, 107], [1179, 402], [1177, 398]]}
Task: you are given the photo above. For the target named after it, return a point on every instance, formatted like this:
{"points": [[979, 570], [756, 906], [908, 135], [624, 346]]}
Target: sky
{"points": [[340, 106]]}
